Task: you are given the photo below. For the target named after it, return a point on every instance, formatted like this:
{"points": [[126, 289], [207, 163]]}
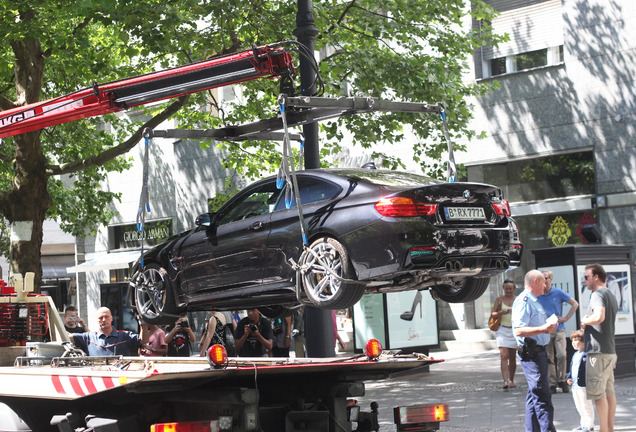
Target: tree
{"points": [[408, 49]]}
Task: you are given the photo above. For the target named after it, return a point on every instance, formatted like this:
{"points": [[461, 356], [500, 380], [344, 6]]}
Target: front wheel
{"points": [[464, 291], [154, 297], [325, 258]]}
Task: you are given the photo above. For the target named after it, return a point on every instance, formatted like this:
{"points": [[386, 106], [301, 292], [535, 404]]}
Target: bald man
{"points": [[107, 341]]}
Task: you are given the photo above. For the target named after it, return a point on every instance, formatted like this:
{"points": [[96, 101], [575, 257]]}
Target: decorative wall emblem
{"points": [[559, 231]]}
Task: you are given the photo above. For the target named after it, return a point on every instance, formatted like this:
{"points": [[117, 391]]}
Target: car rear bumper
{"points": [[405, 247]]}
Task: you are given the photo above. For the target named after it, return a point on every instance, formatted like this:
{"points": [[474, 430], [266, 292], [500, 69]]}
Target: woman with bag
{"points": [[505, 339]]}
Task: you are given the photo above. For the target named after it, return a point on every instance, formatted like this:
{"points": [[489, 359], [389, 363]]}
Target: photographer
{"points": [[253, 335], [72, 322], [178, 338]]}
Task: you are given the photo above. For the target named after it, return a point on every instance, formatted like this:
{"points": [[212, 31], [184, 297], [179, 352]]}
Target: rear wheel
{"points": [[154, 297], [466, 290], [325, 258]]}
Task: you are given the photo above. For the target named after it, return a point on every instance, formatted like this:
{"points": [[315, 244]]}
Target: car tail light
{"points": [[418, 417], [373, 349], [404, 207], [217, 356], [502, 208]]}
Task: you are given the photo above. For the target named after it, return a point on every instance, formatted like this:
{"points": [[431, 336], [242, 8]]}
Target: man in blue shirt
{"points": [[552, 301], [533, 333], [107, 341]]}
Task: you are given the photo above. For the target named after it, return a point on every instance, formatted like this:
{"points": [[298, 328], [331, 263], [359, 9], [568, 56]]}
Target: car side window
{"points": [[256, 202], [311, 190]]}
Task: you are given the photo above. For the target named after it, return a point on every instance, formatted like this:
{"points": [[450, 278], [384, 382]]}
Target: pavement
{"points": [[470, 383]]}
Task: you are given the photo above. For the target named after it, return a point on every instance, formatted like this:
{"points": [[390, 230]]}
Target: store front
{"points": [[553, 202]]}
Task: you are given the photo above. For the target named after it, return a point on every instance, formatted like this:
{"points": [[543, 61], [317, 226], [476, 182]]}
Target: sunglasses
{"points": [[587, 277]]}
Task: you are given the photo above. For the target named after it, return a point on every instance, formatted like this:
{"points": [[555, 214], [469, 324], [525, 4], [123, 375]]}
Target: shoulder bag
{"points": [[495, 321]]}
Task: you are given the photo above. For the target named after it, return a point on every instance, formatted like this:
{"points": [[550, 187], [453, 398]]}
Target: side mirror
{"points": [[204, 219]]}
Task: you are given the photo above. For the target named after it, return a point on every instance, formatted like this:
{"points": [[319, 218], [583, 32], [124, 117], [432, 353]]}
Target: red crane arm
{"points": [[258, 62]]}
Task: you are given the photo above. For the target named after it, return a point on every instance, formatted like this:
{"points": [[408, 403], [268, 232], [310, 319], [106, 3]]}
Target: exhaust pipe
{"points": [[453, 265], [502, 264]]}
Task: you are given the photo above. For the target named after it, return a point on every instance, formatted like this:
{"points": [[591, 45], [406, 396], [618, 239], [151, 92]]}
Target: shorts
{"points": [[505, 338], [599, 375]]}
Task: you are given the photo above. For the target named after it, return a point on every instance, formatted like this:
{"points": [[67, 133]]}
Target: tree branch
{"points": [[5, 104], [76, 30], [122, 148], [341, 18]]}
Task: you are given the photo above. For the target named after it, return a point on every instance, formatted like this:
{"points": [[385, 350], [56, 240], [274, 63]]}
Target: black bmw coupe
{"points": [[365, 230]]}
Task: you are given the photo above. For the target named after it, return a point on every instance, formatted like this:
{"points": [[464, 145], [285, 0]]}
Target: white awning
{"points": [[107, 261]]}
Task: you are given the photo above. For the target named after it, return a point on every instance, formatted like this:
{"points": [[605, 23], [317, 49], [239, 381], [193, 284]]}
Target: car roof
{"points": [[381, 177]]}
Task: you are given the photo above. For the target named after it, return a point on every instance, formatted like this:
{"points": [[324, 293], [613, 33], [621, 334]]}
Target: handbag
{"points": [[495, 321]]}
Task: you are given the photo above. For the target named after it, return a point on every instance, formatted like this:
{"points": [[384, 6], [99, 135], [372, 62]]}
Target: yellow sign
{"points": [[559, 231]]}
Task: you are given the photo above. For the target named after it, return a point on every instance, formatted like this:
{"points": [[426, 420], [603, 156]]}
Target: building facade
{"points": [[560, 126]]}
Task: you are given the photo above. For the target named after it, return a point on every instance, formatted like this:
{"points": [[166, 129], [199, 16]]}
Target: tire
{"points": [[322, 289], [464, 291], [154, 297], [275, 311]]}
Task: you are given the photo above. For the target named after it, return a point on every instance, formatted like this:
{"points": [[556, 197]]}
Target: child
{"points": [[576, 378]]}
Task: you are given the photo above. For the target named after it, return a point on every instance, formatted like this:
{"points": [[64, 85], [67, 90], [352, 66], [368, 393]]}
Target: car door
{"points": [[228, 255], [285, 237]]}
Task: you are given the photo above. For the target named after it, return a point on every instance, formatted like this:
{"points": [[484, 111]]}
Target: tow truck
{"points": [[52, 387]]}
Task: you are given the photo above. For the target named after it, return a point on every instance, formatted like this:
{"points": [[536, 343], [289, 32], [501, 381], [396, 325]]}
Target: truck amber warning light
{"points": [[217, 356], [373, 349]]}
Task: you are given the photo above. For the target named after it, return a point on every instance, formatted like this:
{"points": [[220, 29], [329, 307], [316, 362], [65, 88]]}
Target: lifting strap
{"points": [[287, 173], [452, 167], [144, 204]]}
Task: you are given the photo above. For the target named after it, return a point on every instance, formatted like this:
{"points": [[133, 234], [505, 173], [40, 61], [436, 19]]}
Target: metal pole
{"points": [[318, 325]]}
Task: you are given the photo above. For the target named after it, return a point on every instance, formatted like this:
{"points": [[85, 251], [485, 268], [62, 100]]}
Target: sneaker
{"points": [[585, 429], [565, 387], [580, 428], [553, 389]]}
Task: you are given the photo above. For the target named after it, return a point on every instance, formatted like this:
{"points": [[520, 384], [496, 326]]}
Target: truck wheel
{"points": [[466, 290], [154, 297], [327, 255]]}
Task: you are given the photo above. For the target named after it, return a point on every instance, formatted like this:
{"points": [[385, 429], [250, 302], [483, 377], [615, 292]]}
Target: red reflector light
{"points": [[217, 356], [404, 207], [502, 208], [373, 349], [407, 417]]}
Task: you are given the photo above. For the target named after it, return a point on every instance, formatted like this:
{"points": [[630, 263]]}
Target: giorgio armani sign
{"points": [[128, 237]]}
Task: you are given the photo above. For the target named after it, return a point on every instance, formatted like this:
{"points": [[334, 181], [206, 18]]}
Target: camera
{"points": [[253, 328], [184, 324]]}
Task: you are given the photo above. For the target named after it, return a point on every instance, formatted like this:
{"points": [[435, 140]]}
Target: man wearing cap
{"points": [[532, 332]]}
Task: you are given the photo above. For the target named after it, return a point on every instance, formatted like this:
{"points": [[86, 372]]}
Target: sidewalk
{"points": [[470, 383]]}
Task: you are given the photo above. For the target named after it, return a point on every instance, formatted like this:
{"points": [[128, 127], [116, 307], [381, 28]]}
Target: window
{"points": [[525, 61], [255, 202], [535, 29], [312, 190], [540, 178]]}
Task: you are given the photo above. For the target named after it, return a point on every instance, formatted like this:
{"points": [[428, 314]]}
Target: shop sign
{"points": [[128, 237]]}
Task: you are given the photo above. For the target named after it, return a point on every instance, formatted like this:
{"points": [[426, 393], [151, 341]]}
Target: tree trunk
{"points": [[28, 200], [27, 205]]}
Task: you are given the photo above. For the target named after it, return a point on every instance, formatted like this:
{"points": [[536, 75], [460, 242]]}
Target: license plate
{"points": [[464, 213]]}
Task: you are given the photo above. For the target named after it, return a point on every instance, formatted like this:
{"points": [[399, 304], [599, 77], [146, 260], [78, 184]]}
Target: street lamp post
{"points": [[318, 323]]}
